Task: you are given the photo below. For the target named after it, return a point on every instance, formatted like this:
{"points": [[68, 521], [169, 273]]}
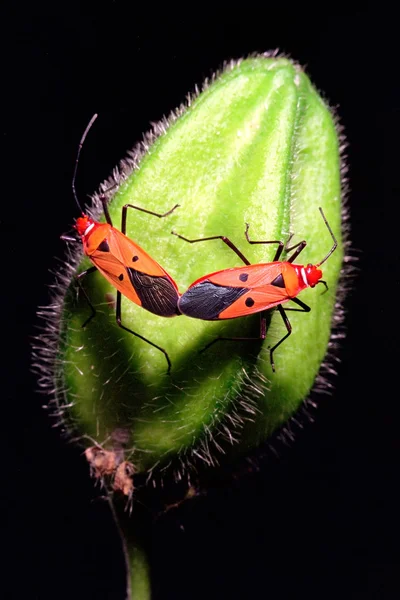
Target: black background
{"points": [[322, 520]]}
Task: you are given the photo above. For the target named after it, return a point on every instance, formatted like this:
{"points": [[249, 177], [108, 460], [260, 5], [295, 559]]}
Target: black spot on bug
{"points": [[249, 302], [243, 276], [135, 258], [104, 247], [121, 277], [278, 281]]}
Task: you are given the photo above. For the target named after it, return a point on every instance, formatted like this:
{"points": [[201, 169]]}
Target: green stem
{"points": [[139, 574], [134, 529]]}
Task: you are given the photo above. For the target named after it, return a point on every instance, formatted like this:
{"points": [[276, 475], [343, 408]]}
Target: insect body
{"points": [[124, 264], [127, 267], [242, 291]]}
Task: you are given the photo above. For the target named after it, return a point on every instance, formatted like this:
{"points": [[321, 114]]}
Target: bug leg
{"points": [[103, 200], [300, 247], [279, 249], [303, 308], [262, 336], [92, 308], [226, 241], [118, 317], [149, 212], [289, 331], [263, 330]]}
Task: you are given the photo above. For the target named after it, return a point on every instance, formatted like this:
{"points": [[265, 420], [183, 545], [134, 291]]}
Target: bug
{"points": [[133, 272], [241, 291]]}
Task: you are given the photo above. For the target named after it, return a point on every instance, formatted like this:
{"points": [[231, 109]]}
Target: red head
{"points": [[313, 274], [82, 224]]}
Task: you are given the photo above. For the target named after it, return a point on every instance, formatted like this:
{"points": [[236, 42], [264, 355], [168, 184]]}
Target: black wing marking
{"points": [[207, 300], [157, 294], [278, 281]]}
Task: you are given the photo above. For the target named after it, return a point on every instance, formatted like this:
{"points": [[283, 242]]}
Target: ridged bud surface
{"points": [[258, 145]]}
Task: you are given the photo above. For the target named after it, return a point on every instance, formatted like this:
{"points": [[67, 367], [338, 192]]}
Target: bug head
{"points": [[82, 224], [313, 275]]}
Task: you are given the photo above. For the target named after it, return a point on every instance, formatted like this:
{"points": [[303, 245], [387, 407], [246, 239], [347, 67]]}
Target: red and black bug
{"points": [[123, 263], [241, 291]]}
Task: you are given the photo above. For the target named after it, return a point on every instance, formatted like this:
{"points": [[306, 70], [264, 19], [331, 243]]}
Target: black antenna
{"points": [[92, 120], [333, 237]]}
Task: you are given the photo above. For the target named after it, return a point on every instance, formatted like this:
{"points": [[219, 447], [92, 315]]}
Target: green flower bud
{"points": [[257, 146]]}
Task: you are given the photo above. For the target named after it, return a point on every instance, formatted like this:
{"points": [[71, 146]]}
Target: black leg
{"points": [[103, 201], [279, 249], [82, 289], [149, 212], [226, 241], [289, 331], [282, 312], [263, 329], [303, 307], [118, 317], [261, 336], [300, 247]]}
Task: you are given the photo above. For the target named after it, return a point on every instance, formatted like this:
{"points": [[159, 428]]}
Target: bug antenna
{"points": [[92, 120], [333, 237]]}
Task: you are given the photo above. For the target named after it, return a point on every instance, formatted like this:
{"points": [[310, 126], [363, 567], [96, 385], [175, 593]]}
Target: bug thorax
{"points": [[313, 274]]}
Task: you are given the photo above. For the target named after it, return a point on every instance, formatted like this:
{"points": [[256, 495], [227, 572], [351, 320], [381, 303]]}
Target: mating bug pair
{"points": [[226, 294]]}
